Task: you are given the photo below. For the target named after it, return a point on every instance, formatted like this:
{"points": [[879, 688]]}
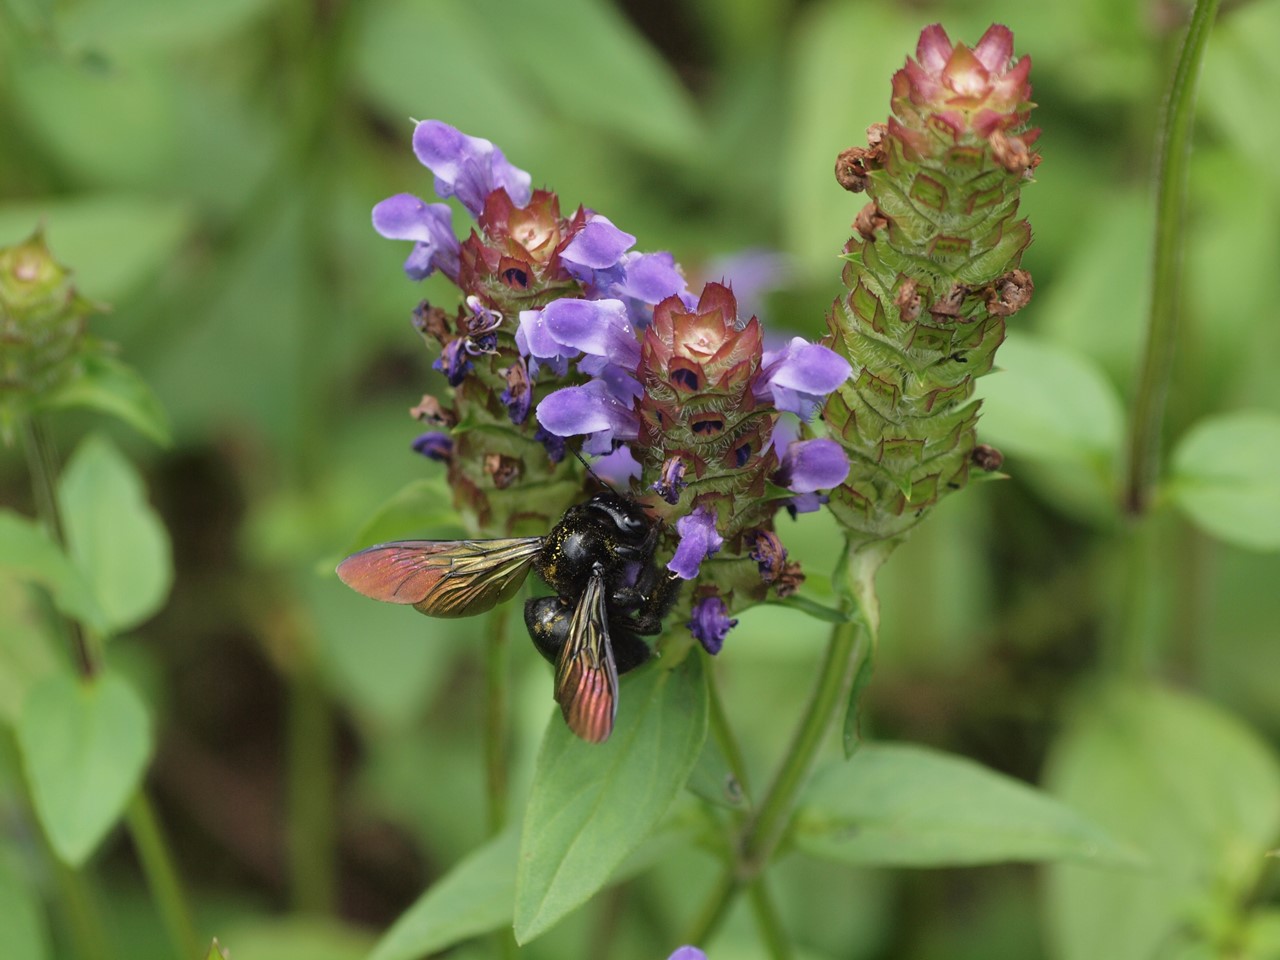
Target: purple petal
{"points": [[588, 409], [430, 225], [533, 339], [709, 625], [687, 953], [597, 327], [698, 540], [469, 168], [597, 245], [805, 503], [652, 277], [800, 375], [434, 445], [618, 468], [811, 465]]}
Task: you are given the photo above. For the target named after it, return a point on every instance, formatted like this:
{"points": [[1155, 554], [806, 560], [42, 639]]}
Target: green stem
{"points": [[311, 786], [723, 732], [162, 877], [767, 920], [88, 934], [1162, 324]]}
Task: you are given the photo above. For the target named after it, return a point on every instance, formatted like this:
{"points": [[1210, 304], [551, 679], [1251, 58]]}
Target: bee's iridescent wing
{"points": [[442, 578], [586, 676]]}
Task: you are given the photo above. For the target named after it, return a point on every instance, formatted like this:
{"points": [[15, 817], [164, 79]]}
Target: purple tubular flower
{"points": [[812, 465], [454, 362], [698, 540], [799, 376], [429, 225], [567, 327], [618, 468], [710, 623], [671, 482], [597, 246], [805, 503], [468, 168], [434, 446], [589, 409]]}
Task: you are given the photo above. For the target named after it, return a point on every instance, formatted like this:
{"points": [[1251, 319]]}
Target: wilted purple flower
{"points": [[710, 623], [769, 554], [434, 445], [799, 376], [429, 225], [482, 327], [453, 362], [698, 540], [671, 482], [554, 445], [469, 168], [518, 397], [811, 465]]}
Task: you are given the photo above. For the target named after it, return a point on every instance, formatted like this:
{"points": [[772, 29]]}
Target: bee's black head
{"points": [[627, 518]]}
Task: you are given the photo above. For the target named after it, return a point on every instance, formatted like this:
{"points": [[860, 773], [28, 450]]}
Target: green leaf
{"points": [[114, 537], [903, 805], [26, 653], [297, 938], [713, 780], [109, 385], [476, 896], [812, 608], [1183, 781], [28, 552], [419, 510], [85, 746], [138, 25], [1226, 477], [592, 804], [1052, 404], [22, 925]]}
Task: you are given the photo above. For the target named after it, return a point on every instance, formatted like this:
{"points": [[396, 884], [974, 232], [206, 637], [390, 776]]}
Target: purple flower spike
{"points": [[469, 168], [800, 375], [429, 225], [811, 465], [434, 446], [698, 540], [598, 246], [709, 625], [589, 409]]}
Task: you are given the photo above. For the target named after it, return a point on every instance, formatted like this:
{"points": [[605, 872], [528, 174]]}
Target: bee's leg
{"points": [[661, 598], [629, 651], [547, 619]]}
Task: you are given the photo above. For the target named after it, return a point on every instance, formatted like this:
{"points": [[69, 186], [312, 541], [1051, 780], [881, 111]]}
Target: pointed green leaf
{"points": [[85, 746], [1188, 784], [22, 925], [113, 387], [114, 537], [713, 780], [476, 896], [1226, 477], [592, 804], [904, 805], [27, 552]]}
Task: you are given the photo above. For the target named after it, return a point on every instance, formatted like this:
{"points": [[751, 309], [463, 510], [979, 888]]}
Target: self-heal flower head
{"points": [[428, 225], [710, 623], [469, 168], [698, 540]]}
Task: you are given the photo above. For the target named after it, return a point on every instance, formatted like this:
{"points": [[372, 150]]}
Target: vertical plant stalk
{"points": [[497, 671], [153, 852], [149, 840], [1172, 168], [311, 788]]}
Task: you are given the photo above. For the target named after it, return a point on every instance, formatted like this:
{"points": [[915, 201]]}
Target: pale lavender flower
{"points": [[698, 540], [812, 465], [429, 225], [469, 168], [798, 377]]}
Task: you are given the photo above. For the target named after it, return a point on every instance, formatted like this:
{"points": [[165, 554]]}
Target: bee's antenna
{"points": [[599, 479]]}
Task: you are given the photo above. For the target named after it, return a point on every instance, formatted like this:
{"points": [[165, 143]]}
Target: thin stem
{"points": [[1162, 324], [716, 909], [42, 464], [311, 787], [767, 920], [497, 669], [723, 732], [88, 934], [162, 877]]}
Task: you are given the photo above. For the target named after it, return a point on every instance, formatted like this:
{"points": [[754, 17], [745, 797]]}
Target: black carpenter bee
{"points": [[599, 560]]}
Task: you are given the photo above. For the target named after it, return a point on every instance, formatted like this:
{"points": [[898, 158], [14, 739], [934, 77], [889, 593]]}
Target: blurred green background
{"points": [[208, 170]]}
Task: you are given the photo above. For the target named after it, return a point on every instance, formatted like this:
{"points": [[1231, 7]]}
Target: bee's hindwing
{"points": [[586, 676], [442, 578]]}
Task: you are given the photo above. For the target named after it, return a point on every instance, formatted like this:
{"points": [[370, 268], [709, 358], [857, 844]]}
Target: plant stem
{"points": [[724, 735], [1162, 325], [497, 668], [162, 877], [42, 464], [311, 786], [767, 920]]}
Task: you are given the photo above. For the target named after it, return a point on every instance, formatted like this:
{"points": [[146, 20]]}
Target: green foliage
{"points": [[899, 805], [591, 805], [22, 928], [110, 386], [85, 745], [27, 551]]}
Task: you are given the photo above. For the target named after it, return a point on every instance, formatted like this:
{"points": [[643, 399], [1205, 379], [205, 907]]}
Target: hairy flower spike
{"points": [[932, 274]]}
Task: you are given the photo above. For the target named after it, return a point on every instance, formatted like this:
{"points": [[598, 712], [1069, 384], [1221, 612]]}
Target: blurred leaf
{"points": [[109, 385], [811, 608], [297, 938], [1239, 81], [608, 55], [1049, 403], [1225, 474], [128, 25], [27, 551], [1262, 935], [113, 242], [476, 896], [421, 511], [85, 746], [109, 123], [592, 804], [26, 654], [903, 805], [114, 536], [22, 924], [1183, 781], [713, 780]]}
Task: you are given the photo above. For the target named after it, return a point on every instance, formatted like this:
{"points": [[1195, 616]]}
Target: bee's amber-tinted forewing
{"points": [[442, 578], [586, 676]]}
